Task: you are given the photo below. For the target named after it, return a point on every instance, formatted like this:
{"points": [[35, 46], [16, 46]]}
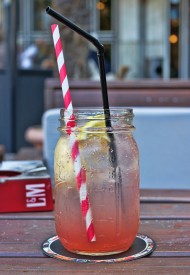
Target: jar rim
{"points": [[81, 112]]}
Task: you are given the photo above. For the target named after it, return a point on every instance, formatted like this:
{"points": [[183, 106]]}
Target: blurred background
{"points": [[144, 40]]}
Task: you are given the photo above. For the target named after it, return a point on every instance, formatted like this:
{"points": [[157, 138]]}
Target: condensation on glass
{"points": [[109, 157]]}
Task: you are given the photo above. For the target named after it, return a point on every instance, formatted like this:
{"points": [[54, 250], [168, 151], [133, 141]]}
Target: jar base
{"points": [[97, 253], [142, 246]]}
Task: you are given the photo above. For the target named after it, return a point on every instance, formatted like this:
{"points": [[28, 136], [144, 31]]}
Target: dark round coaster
{"points": [[142, 246]]}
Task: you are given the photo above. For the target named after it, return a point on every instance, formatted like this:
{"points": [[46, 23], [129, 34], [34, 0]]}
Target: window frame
{"points": [[26, 33], [108, 36]]}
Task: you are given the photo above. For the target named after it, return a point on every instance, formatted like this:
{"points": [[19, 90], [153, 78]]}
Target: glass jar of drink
{"points": [[109, 156]]}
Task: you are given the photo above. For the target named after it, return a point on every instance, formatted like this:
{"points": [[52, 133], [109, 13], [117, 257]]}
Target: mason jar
{"points": [[108, 156]]}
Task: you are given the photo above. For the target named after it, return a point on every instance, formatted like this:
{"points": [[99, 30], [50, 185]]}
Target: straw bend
{"points": [[75, 28], [100, 55]]}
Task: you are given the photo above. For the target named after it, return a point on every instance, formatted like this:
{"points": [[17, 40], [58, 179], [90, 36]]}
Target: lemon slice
{"points": [[87, 131]]}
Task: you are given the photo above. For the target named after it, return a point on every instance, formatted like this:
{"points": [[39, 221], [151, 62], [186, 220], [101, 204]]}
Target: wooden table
{"points": [[165, 216]]}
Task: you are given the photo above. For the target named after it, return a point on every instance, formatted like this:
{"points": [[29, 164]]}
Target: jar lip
{"points": [[114, 112]]}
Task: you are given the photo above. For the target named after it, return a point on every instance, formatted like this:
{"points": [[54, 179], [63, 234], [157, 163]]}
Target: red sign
{"points": [[24, 188]]}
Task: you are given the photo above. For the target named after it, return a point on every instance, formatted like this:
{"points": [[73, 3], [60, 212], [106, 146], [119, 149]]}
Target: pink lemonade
{"points": [[115, 229], [113, 191]]}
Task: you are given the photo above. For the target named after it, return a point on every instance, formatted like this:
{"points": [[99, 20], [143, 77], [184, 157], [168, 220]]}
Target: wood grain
{"points": [[165, 211], [121, 93], [149, 210], [172, 236], [148, 266], [160, 195], [165, 216]]}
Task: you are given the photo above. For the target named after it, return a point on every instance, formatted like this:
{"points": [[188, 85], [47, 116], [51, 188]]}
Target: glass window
{"points": [[174, 38], [34, 37], [2, 36], [41, 20], [154, 38], [103, 27], [104, 8]]}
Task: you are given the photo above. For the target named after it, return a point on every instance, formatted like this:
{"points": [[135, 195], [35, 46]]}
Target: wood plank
{"points": [[171, 236], [165, 211], [148, 195], [148, 211], [121, 93], [23, 238], [141, 84], [147, 265], [28, 216], [120, 98]]}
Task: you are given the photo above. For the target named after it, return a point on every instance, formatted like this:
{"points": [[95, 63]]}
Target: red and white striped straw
{"points": [[80, 173]]}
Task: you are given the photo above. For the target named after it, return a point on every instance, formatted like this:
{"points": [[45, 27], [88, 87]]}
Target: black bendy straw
{"points": [[100, 54]]}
